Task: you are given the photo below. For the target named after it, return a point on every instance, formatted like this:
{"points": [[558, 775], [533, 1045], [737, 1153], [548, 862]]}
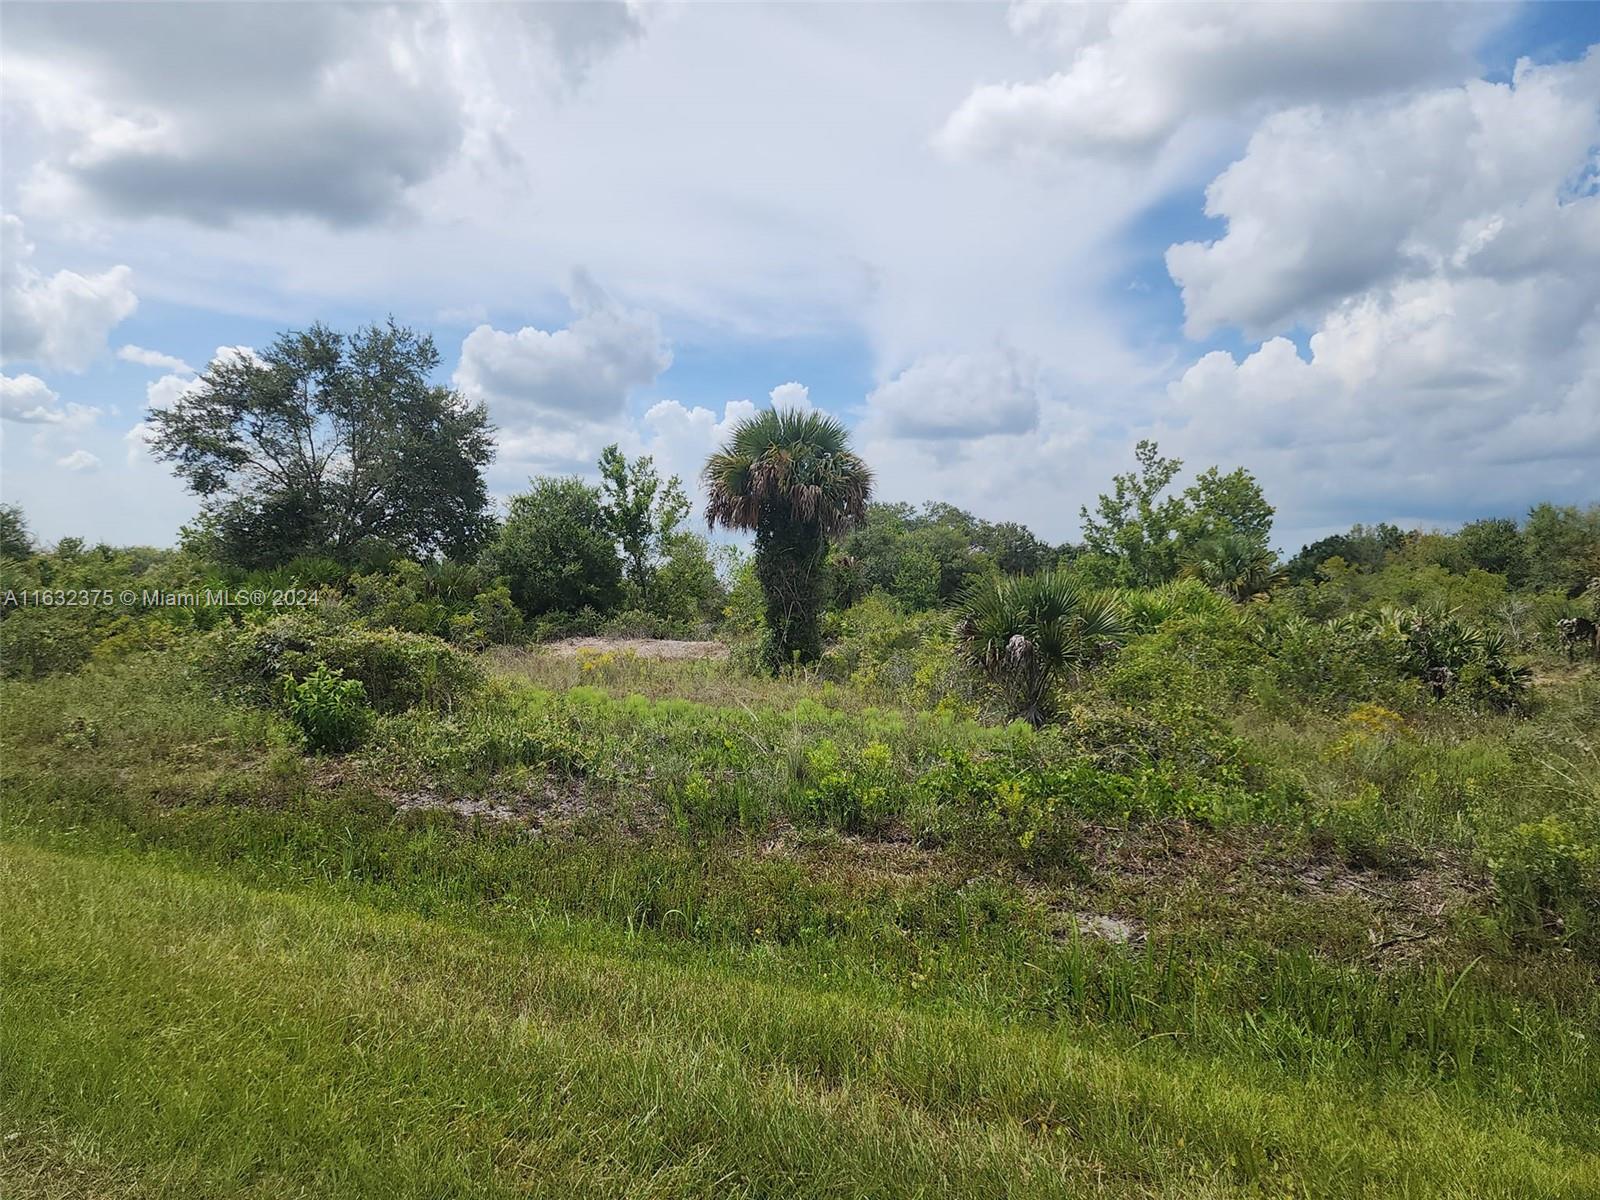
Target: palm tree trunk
{"points": [[790, 563]]}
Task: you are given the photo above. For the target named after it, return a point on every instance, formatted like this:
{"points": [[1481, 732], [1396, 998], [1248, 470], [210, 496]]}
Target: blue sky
{"points": [[1354, 247]]}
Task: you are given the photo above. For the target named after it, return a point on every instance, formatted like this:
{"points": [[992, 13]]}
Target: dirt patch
{"points": [[654, 648], [1258, 878]]}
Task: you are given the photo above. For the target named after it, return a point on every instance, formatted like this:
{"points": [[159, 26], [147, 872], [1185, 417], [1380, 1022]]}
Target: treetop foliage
{"points": [[1147, 532], [328, 441]]}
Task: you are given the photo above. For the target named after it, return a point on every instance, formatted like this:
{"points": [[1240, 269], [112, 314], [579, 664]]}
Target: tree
{"points": [[1219, 504], [1233, 563], [15, 539], [1148, 533], [1014, 548], [1563, 546], [1135, 525], [555, 550], [1366, 547], [1495, 544], [1029, 634], [792, 479], [326, 442], [641, 513]]}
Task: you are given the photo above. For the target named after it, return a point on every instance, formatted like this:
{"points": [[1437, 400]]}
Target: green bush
{"points": [[397, 669], [331, 711], [40, 641], [1549, 876]]}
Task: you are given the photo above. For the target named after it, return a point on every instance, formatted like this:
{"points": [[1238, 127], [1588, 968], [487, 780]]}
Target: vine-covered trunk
{"points": [[791, 561]]}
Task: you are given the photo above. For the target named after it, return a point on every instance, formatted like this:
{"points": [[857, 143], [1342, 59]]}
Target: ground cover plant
{"points": [[1221, 881]]}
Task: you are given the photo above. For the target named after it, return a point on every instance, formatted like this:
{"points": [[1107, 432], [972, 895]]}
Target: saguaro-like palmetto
{"points": [[791, 478], [1029, 633]]}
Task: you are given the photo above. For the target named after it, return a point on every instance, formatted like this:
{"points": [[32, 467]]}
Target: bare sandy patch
{"points": [[656, 648]]}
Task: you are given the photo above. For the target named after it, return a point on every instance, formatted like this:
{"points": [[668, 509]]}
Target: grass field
{"points": [[172, 1033], [232, 969]]}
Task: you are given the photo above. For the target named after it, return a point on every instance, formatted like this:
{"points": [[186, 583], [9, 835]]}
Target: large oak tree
{"points": [[326, 443]]}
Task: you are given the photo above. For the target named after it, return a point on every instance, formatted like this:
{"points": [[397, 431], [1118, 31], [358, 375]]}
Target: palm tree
{"points": [[791, 479], [1030, 633], [1236, 564]]}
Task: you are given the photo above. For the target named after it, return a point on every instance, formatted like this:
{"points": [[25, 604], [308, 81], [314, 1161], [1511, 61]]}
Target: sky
{"points": [[1352, 247]]}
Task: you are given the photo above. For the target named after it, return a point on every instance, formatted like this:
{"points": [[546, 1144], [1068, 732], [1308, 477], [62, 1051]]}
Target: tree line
{"points": [[340, 448]]}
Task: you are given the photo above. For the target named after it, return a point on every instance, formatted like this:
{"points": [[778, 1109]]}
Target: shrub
{"points": [[556, 552], [1030, 634], [330, 710], [850, 790], [904, 658], [1544, 869], [39, 641], [396, 669]]}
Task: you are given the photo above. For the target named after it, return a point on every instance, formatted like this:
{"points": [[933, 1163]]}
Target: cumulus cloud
{"points": [[78, 460], [959, 396], [28, 399], [680, 437], [582, 374], [219, 112], [58, 320], [242, 109], [1484, 180], [1137, 72], [1455, 360], [791, 395], [154, 358]]}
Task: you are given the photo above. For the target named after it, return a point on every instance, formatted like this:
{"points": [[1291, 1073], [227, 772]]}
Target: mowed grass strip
{"points": [[186, 1036]]}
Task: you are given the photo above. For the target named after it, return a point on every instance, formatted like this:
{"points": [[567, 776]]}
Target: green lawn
{"points": [[170, 1032]]}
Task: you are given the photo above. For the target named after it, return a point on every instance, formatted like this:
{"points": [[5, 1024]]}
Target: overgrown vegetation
{"points": [[1148, 866]]}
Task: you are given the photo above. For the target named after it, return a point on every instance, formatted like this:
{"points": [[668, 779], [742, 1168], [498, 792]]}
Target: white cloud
{"points": [[138, 441], [59, 320], [959, 396], [28, 399], [582, 374], [1455, 363], [1467, 181], [154, 358], [334, 112], [78, 460], [1138, 72], [681, 437], [791, 395]]}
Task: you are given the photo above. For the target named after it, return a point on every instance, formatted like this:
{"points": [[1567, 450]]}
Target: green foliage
{"points": [[640, 513], [1495, 545], [397, 670], [15, 539], [1363, 547], [40, 641], [1030, 634], [927, 557], [791, 478], [1148, 534], [1563, 547], [330, 711], [686, 590], [453, 601], [556, 550], [1549, 875], [898, 657], [326, 442], [1147, 609], [851, 790], [1235, 564]]}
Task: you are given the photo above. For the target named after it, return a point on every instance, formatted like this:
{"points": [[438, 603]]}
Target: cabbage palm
{"points": [[1235, 564], [1031, 633], [790, 478]]}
